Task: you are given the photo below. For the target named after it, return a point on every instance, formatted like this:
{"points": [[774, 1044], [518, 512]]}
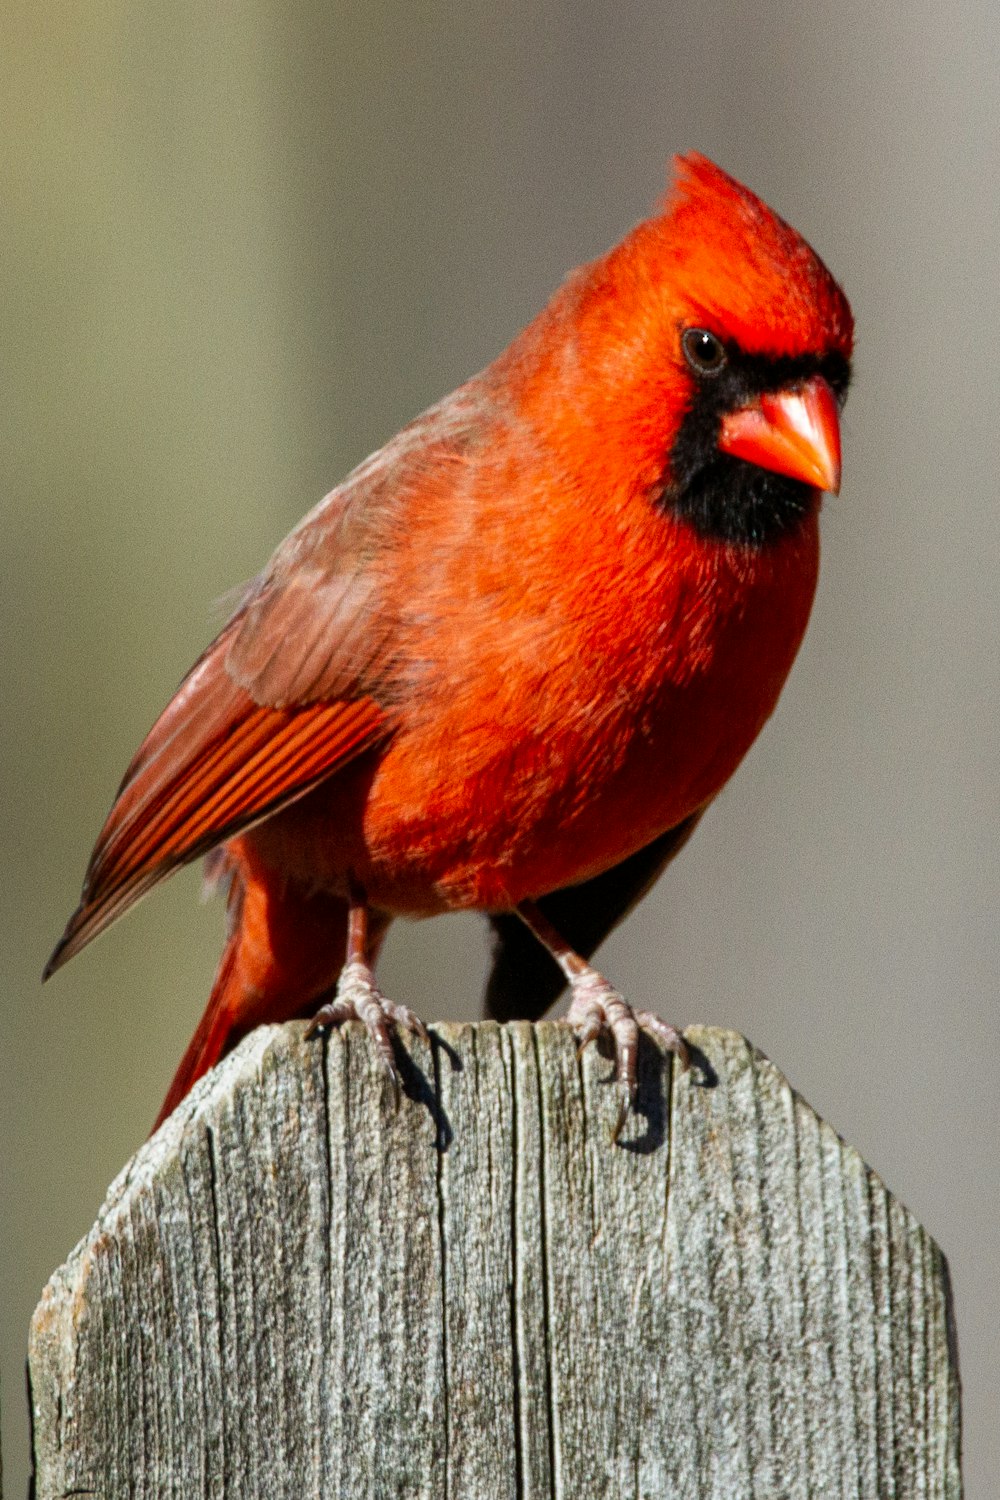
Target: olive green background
{"points": [[242, 243]]}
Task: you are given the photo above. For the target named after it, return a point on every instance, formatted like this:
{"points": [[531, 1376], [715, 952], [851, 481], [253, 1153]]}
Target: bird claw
{"points": [[596, 1008], [673, 1041], [625, 1102], [357, 998]]}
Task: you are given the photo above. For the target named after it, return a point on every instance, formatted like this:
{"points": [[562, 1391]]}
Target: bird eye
{"points": [[703, 351]]}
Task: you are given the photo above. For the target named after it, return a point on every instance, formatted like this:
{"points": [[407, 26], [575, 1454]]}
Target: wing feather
{"points": [[214, 763], [295, 686]]}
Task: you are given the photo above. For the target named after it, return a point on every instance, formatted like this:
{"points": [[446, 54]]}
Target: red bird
{"points": [[509, 661]]}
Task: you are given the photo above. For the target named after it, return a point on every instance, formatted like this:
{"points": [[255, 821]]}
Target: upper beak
{"points": [[794, 432]]}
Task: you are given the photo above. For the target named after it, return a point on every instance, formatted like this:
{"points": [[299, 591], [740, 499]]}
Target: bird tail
{"points": [[217, 1032], [284, 949]]}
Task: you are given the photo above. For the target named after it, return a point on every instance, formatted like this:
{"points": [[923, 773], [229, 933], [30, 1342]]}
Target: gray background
{"points": [[243, 244]]}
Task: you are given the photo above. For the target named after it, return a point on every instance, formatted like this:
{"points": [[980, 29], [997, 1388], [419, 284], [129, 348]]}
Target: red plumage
{"points": [[529, 637]]}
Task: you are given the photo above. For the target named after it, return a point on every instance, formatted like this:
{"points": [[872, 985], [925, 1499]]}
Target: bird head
{"points": [[762, 339], [712, 346]]}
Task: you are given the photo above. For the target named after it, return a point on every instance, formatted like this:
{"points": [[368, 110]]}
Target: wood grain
{"points": [[297, 1290]]}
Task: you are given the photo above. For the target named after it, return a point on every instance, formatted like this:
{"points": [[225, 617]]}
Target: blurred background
{"points": [[243, 244]]}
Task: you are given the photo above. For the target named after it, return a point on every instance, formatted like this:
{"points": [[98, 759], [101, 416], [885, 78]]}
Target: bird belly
{"points": [[535, 815]]}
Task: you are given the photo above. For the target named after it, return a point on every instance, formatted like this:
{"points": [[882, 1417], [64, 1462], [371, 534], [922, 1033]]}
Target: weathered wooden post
{"points": [[296, 1290]]}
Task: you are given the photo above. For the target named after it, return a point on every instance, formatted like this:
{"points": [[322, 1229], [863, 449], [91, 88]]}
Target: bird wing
{"points": [[525, 979], [323, 589], [291, 690], [215, 762]]}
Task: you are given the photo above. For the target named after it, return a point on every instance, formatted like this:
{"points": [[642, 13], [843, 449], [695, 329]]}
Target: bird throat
{"points": [[725, 499], [728, 500]]}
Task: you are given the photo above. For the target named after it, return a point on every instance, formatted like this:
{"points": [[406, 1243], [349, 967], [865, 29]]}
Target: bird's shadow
{"points": [[703, 1074], [656, 1079], [651, 1104], [423, 1088]]}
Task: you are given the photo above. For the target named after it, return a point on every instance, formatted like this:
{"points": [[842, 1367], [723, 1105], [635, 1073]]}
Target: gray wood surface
{"points": [[295, 1290]]}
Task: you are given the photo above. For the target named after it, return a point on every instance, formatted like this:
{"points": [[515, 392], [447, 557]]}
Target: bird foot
{"points": [[357, 998], [596, 1009]]}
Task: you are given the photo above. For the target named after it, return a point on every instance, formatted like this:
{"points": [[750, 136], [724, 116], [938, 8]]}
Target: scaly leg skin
{"points": [[357, 997], [596, 1007]]}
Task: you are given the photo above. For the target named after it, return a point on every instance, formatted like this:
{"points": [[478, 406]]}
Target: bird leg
{"points": [[596, 1007], [358, 998]]}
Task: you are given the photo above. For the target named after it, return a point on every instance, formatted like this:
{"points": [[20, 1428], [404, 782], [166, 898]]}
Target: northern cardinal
{"points": [[508, 662]]}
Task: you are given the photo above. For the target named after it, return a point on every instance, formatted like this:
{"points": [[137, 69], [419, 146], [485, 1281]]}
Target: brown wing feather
{"points": [[214, 763], [190, 695], [290, 691], [323, 589]]}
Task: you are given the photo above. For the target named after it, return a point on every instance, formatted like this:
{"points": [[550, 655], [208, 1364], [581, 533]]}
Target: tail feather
{"points": [[284, 948], [217, 1032]]}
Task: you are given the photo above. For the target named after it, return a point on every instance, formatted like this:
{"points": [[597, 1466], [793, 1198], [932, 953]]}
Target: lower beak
{"points": [[794, 432]]}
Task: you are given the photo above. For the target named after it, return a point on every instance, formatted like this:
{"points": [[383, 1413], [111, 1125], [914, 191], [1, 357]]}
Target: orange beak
{"points": [[794, 432]]}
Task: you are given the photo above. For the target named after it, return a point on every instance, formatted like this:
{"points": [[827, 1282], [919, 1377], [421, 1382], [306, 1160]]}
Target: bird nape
{"points": [[510, 660]]}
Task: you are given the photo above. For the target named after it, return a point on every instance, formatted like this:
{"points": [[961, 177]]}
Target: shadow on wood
{"points": [[296, 1290]]}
